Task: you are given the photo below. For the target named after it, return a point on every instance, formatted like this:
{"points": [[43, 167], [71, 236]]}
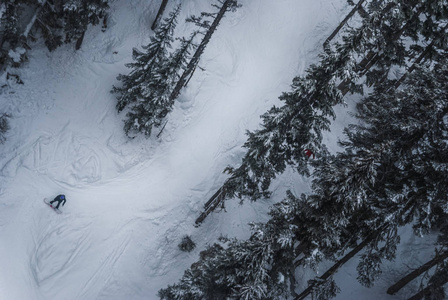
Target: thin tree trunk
{"points": [[348, 17], [211, 204], [159, 14], [414, 274], [340, 263], [426, 291], [30, 25], [197, 55], [79, 41]]}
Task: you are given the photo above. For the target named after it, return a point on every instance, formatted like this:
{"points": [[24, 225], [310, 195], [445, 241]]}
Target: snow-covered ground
{"points": [[131, 201]]}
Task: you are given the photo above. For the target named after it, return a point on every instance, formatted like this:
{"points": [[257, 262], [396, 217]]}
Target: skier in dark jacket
{"points": [[60, 199]]}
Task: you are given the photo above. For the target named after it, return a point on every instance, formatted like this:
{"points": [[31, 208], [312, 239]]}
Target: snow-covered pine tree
{"points": [[159, 14], [204, 22], [9, 29], [257, 268], [179, 59], [147, 88], [47, 19], [78, 14], [400, 156], [393, 172], [382, 40], [135, 85], [9, 23], [51, 24]]}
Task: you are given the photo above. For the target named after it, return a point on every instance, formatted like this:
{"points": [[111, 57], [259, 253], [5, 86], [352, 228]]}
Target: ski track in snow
{"points": [[131, 201]]}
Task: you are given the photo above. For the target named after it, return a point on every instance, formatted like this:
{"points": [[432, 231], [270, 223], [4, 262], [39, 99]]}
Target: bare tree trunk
{"points": [[79, 41], [159, 14], [211, 204], [414, 274], [30, 25], [197, 55], [348, 17], [341, 262], [427, 290]]}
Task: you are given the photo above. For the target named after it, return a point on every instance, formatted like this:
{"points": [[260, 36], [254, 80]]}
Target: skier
{"points": [[59, 199]]}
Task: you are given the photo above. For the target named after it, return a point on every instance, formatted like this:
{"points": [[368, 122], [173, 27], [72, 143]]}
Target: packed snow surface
{"points": [[130, 201]]}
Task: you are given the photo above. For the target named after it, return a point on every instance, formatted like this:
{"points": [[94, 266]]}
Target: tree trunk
{"points": [[418, 60], [427, 290], [341, 262], [79, 41], [197, 55], [348, 17], [30, 24], [159, 14], [414, 274], [211, 204]]}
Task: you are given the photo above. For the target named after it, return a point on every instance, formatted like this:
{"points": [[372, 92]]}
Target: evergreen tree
{"points": [[393, 172], [4, 127], [290, 130], [146, 89], [23, 21], [79, 14], [9, 22], [209, 22], [159, 14], [9, 28]]}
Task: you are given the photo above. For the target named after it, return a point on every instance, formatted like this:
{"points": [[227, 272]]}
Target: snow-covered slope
{"points": [[131, 201]]}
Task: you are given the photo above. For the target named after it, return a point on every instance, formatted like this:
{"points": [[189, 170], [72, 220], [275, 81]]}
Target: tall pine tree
{"points": [[147, 88], [393, 172], [79, 14], [389, 36]]}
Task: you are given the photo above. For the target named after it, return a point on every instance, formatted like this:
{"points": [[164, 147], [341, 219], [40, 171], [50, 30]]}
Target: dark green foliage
{"points": [[327, 290], [383, 41], [202, 280], [79, 14], [146, 89], [9, 28], [187, 244], [68, 21], [289, 130], [9, 23], [56, 22], [240, 269], [435, 289], [4, 127], [393, 172]]}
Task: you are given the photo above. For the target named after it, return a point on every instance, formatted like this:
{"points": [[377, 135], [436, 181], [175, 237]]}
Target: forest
{"points": [[391, 171]]}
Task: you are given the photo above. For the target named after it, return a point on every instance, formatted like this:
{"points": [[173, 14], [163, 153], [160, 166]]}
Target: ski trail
{"points": [[103, 273]]}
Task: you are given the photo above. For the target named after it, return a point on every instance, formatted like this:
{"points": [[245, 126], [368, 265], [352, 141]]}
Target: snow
{"points": [[16, 54], [130, 202]]}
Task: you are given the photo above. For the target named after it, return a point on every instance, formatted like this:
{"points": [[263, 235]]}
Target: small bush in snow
{"points": [[187, 244], [4, 126]]}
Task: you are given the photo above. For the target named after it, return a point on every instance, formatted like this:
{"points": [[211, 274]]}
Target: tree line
{"points": [[54, 21], [392, 171], [158, 73]]}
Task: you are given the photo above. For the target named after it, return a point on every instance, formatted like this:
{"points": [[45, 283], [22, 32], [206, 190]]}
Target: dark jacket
{"points": [[60, 199]]}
